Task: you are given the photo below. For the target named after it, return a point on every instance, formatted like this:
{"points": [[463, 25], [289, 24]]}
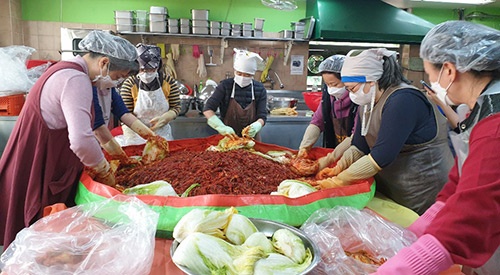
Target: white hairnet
{"points": [[467, 45], [111, 45], [366, 66], [332, 64], [245, 61]]}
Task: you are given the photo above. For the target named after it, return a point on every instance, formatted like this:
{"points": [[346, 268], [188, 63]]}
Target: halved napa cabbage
{"points": [[158, 188], [278, 264], [211, 222], [205, 254], [290, 245], [259, 239], [239, 229], [294, 188]]}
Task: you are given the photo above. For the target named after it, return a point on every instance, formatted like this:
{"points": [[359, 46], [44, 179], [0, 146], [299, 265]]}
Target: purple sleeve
{"points": [[76, 104], [317, 118]]}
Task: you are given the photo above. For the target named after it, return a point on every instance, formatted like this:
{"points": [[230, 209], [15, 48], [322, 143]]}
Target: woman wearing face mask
{"points": [[242, 100], [463, 226], [336, 115], [151, 95], [52, 139], [400, 137]]}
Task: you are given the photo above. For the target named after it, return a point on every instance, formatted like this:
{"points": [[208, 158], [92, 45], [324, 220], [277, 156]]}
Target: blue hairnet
{"points": [[332, 64], [111, 45], [467, 45]]}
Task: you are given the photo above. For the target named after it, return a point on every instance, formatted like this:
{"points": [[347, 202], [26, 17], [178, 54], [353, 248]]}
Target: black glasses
{"points": [[351, 90]]}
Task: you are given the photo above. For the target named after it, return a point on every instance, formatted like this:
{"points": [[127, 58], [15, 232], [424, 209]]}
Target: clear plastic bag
{"points": [[113, 236], [13, 72], [345, 228]]}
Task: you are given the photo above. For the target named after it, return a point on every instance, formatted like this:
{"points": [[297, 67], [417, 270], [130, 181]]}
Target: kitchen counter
{"points": [[285, 131]]}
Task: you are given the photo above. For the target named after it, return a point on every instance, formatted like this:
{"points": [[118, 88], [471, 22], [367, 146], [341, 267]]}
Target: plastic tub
{"points": [[157, 9], [11, 105], [124, 14], [258, 23], [199, 14], [312, 99], [125, 27], [199, 23], [158, 26]]}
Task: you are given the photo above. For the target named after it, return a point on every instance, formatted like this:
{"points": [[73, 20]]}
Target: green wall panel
{"points": [[102, 11], [437, 16]]}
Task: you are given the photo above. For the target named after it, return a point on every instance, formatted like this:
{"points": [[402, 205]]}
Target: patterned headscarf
{"points": [[149, 56]]}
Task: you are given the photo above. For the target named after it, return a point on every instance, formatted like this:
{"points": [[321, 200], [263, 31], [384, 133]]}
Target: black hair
{"points": [[116, 64], [392, 75], [337, 75]]}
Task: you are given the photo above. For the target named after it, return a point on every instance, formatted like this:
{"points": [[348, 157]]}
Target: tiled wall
{"points": [[45, 37], [11, 30]]}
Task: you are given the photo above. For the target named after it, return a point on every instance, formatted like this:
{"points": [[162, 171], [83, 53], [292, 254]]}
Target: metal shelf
{"points": [[185, 35]]}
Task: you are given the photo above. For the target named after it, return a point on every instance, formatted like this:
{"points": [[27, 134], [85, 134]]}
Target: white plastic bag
{"points": [[114, 236], [13, 72], [344, 228]]}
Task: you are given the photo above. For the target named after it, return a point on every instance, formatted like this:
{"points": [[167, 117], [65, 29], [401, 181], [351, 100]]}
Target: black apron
{"points": [[237, 117]]}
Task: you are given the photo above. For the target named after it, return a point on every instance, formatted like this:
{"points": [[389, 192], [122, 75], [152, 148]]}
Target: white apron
{"points": [[149, 104]]}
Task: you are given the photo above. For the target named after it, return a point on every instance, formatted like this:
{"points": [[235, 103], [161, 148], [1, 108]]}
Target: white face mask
{"points": [[242, 81], [336, 92], [360, 97], [148, 77], [104, 82], [442, 93]]}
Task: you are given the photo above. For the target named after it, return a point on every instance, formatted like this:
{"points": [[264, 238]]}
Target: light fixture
{"points": [[285, 5], [470, 2]]}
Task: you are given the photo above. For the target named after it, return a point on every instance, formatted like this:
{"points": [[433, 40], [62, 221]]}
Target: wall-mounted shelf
{"points": [[288, 41], [185, 35]]}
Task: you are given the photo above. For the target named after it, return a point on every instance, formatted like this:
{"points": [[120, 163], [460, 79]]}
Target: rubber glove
{"points": [[254, 128], [363, 168], [141, 129], [310, 137], [341, 148], [330, 183], [350, 155], [103, 173], [116, 152], [220, 127], [162, 120], [419, 226], [425, 256]]}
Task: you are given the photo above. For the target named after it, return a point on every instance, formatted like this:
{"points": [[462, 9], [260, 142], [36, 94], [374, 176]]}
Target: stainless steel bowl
{"points": [[268, 227], [282, 102], [186, 101]]}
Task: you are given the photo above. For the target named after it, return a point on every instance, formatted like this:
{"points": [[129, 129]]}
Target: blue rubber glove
{"points": [[254, 129], [220, 127]]}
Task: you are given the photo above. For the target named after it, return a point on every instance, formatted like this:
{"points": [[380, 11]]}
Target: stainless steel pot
{"points": [[282, 102], [186, 101]]}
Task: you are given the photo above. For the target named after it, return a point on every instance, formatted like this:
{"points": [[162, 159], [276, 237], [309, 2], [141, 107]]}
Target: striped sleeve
{"points": [[174, 100], [126, 92]]}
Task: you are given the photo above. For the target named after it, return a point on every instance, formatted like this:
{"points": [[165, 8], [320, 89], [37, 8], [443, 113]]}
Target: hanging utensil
{"points": [[279, 79], [210, 54]]}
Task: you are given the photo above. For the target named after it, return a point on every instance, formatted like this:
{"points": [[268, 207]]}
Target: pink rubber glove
{"points": [[426, 256], [419, 226]]}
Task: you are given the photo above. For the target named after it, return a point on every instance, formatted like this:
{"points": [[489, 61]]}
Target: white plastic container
{"points": [[258, 33], [298, 35], [298, 26], [158, 9], [246, 26], [199, 14], [225, 25], [141, 27], [125, 27], [286, 34], [158, 26], [141, 15], [185, 29], [235, 32], [124, 14], [246, 33], [215, 24], [124, 21], [185, 21]]}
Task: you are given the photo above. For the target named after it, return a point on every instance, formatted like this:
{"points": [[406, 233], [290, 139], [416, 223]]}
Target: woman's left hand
{"points": [[162, 120]]}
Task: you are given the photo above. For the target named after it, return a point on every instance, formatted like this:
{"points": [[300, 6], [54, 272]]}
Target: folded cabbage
{"points": [[156, 148], [204, 254], [239, 229], [211, 222], [290, 245], [294, 188], [278, 264], [157, 188]]}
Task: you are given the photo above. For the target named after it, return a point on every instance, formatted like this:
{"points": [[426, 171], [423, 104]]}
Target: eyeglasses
{"points": [[351, 89]]}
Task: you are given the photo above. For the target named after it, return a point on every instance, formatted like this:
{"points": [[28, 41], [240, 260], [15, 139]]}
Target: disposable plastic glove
{"points": [[162, 120], [254, 128], [425, 256], [310, 137], [141, 129], [103, 173], [220, 127], [419, 226]]}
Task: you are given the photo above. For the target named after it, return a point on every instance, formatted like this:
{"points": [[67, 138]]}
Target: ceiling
{"points": [[404, 4]]}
